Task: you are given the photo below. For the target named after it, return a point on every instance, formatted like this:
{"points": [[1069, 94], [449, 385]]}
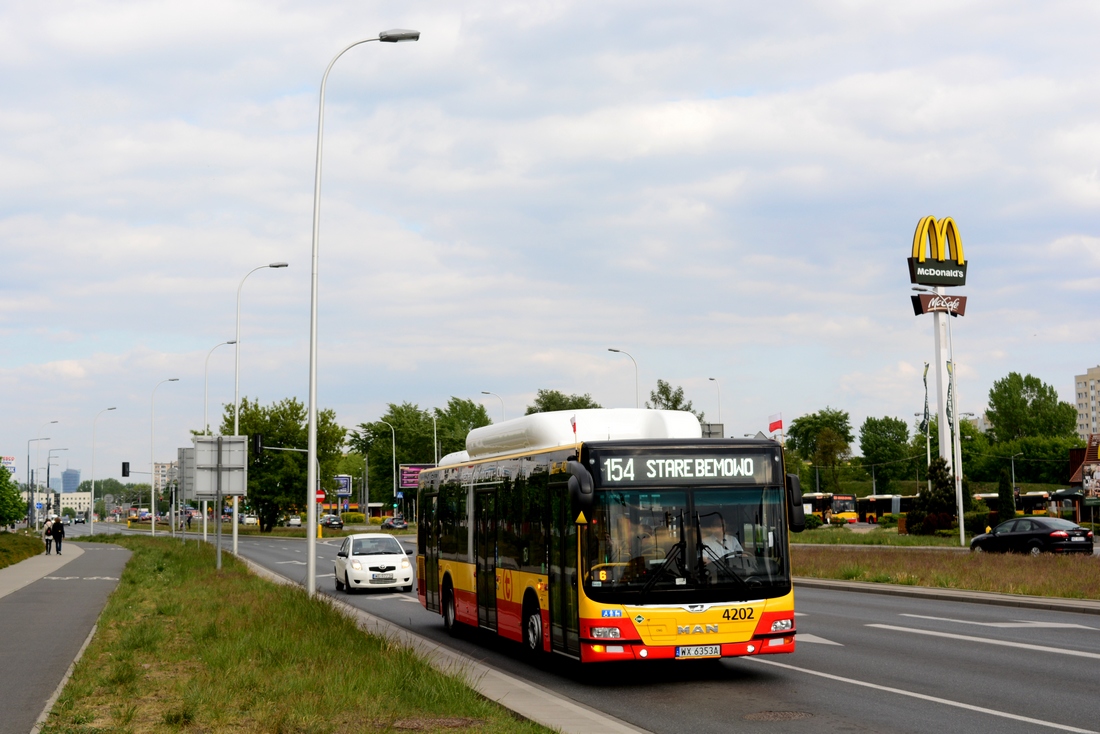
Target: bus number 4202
{"points": [[616, 471]]}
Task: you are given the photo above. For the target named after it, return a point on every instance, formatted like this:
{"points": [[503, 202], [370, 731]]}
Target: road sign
{"points": [[320, 495], [343, 485], [38, 505], [400, 495]]}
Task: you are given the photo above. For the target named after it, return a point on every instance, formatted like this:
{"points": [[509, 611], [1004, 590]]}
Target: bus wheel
{"points": [[532, 629], [449, 610]]}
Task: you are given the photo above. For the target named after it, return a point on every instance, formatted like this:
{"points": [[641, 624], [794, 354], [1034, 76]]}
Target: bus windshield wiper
{"points": [[674, 553]]}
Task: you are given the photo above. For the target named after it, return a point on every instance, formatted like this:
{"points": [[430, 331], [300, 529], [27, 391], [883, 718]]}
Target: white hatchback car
{"points": [[372, 561]]}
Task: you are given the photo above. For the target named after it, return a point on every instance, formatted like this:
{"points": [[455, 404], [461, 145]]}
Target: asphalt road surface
{"points": [[865, 663]]}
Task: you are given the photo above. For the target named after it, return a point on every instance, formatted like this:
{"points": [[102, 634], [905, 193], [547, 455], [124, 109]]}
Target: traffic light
{"points": [[257, 444], [395, 505], [125, 468]]}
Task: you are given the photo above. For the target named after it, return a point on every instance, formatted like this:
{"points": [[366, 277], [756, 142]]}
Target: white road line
{"points": [[923, 697], [296, 563], [987, 641], [803, 637], [1016, 624]]}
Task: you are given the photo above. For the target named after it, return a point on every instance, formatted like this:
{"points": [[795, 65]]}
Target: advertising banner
{"points": [[410, 475], [1090, 470], [931, 303], [8, 462], [343, 485]]}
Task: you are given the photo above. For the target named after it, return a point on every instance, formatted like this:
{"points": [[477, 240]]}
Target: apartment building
{"points": [[1088, 415], [164, 474]]}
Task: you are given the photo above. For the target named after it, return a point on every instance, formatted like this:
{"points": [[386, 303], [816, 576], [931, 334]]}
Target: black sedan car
{"points": [[1035, 535], [332, 521], [394, 523]]}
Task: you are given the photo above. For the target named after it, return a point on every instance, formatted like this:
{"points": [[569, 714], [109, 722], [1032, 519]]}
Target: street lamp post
{"points": [[32, 494], [1013, 460], [152, 453], [206, 388], [49, 492], [503, 417], [392, 36], [237, 382], [637, 400], [91, 511], [719, 386], [393, 438], [37, 461]]}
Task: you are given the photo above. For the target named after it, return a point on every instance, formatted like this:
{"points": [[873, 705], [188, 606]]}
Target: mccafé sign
{"points": [[937, 254], [931, 302]]}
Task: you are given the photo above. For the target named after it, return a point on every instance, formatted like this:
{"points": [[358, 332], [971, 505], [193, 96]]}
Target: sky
{"points": [[720, 189]]}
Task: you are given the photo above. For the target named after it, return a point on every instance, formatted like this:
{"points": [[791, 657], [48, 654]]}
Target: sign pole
{"points": [[218, 506]]}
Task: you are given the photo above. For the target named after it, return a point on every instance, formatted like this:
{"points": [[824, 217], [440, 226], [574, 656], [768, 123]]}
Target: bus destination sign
{"points": [[663, 469]]}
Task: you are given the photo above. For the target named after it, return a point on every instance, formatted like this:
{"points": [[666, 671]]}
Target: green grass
{"points": [[19, 546], [182, 647], [1073, 577], [277, 532], [879, 536]]}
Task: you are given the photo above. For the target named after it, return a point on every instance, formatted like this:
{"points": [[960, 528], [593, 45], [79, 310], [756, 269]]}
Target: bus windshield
{"points": [[684, 545]]}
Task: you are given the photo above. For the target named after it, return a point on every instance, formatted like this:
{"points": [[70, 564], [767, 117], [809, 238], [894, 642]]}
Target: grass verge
{"points": [[277, 532], [879, 536], [1072, 577], [181, 647], [19, 546]]}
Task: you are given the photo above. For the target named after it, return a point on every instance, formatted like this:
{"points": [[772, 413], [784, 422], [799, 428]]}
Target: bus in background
{"points": [[872, 507], [612, 535], [841, 508], [1033, 503]]}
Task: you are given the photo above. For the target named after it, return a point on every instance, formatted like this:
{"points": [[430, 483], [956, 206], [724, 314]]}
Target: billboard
{"points": [[1090, 469], [8, 462], [343, 485], [410, 475]]}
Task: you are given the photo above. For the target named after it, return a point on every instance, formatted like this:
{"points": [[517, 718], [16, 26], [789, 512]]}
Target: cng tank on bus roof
{"points": [[455, 457], [548, 430]]}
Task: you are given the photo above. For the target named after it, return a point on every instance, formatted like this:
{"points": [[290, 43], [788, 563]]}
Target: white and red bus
{"points": [[608, 535]]}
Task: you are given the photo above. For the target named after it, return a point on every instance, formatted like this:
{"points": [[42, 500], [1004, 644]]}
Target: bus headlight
{"points": [[605, 632], [782, 625]]}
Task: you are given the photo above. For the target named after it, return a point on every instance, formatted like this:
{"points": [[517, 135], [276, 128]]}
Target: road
{"points": [[865, 663]]}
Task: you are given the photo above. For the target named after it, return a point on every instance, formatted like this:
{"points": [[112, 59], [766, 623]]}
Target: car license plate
{"points": [[382, 576], [699, 651], [1078, 538]]}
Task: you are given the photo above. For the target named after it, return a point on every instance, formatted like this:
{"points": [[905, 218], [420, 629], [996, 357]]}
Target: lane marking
{"points": [[924, 697], [988, 641], [1016, 624], [803, 637], [800, 614], [80, 578], [296, 563]]}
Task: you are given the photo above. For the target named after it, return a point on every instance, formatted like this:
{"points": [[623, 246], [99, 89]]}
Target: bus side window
{"points": [[536, 491]]}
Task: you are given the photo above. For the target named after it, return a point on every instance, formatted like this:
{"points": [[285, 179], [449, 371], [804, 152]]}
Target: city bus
{"points": [[841, 507], [612, 535], [872, 507]]}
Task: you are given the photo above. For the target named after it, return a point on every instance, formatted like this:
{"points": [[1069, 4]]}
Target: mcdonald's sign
{"points": [[932, 243]]}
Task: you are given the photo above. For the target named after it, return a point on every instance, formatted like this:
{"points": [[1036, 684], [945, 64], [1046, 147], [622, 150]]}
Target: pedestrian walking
{"points": [[58, 532], [47, 535], [189, 521]]}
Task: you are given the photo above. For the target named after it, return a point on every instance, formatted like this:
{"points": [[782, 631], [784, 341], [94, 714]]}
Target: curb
{"points": [[527, 700], [1080, 606]]}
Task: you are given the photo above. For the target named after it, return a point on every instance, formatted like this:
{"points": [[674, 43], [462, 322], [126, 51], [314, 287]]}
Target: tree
{"points": [[1026, 406], [884, 442], [549, 400], [1006, 497], [665, 398], [277, 479], [831, 450], [12, 506], [802, 436], [935, 507], [413, 436]]}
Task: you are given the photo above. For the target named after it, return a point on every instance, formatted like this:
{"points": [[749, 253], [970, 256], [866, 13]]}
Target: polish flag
{"points": [[573, 422], [775, 423]]}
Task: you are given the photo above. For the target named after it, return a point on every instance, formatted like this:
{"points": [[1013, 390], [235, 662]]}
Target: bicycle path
{"points": [[49, 606]]}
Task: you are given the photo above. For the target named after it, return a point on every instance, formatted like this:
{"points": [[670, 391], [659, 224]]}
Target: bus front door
{"points": [[564, 622], [486, 544]]}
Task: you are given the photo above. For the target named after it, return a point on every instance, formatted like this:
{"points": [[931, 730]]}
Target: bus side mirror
{"points": [[580, 487], [797, 514]]}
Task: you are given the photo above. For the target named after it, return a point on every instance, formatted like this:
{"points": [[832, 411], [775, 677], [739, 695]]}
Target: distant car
{"points": [[80, 520], [250, 520], [372, 560], [1035, 535], [394, 523], [295, 521], [67, 521], [332, 521]]}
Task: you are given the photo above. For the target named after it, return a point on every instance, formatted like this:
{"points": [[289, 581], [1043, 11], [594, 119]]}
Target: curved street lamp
{"points": [[719, 386], [391, 36], [637, 400], [502, 416]]}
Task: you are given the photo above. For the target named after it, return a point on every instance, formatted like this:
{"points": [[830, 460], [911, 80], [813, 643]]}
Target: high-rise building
{"points": [[70, 481], [164, 474], [1088, 415]]}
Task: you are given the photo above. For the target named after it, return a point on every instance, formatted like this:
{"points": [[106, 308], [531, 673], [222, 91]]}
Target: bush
{"points": [[922, 523], [354, 518], [977, 522], [888, 521], [813, 522], [376, 521]]}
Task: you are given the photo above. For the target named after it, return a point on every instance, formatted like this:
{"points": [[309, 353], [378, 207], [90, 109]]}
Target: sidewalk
{"points": [[49, 605]]}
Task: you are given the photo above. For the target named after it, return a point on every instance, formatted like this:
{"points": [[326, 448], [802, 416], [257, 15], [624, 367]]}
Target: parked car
{"points": [[295, 521], [1035, 535], [394, 523], [332, 521], [372, 561]]}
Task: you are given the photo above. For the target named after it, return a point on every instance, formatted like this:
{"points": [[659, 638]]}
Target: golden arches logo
{"points": [[932, 243], [939, 237]]}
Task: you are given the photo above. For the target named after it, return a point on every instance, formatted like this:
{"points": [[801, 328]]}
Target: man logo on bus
{"points": [[932, 242], [696, 630]]}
